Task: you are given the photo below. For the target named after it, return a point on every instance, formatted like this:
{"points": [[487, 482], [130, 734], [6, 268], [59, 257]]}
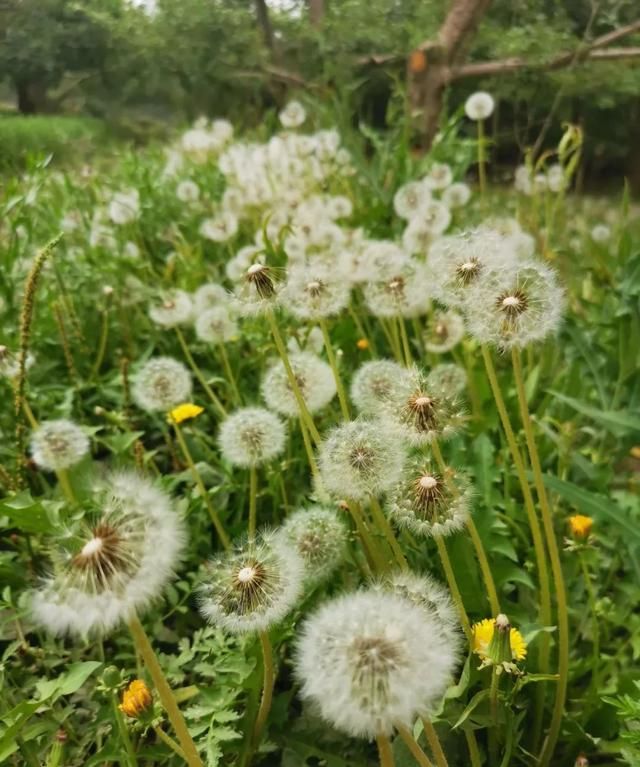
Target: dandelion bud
{"points": [[313, 376], [175, 308], [581, 526], [379, 383], [429, 503], [251, 436], [360, 459], [161, 384], [111, 677], [253, 587], [371, 661], [319, 536], [136, 699], [114, 561], [58, 445]]}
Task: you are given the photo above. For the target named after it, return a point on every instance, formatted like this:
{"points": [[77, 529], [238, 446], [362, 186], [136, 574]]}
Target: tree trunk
{"points": [[316, 12], [31, 97], [264, 22], [428, 77]]}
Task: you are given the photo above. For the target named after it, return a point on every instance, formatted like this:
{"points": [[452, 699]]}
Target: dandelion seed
{"points": [[251, 436], [370, 661], [58, 445], [428, 503], [113, 562], [360, 459], [161, 384], [313, 376], [253, 587]]}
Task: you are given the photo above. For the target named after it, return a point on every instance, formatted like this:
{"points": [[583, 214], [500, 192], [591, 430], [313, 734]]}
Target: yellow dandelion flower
{"points": [[580, 525], [635, 451], [184, 412], [483, 634], [136, 699], [362, 344]]}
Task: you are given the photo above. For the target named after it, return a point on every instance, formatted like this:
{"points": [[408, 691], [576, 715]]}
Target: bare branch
{"points": [[615, 35]]}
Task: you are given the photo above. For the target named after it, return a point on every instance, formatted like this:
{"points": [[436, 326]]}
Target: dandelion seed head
{"points": [[447, 378], [444, 332], [58, 445], [112, 563], [252, 587], [479, 106], [361, 458], [313, 376], [161, 384], [379, 383], [251, 436], [175, 308], [216, 325], [370, 661], [314, 292]]}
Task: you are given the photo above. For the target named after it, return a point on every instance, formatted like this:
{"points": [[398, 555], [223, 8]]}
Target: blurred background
{"points": [[74, 75]]}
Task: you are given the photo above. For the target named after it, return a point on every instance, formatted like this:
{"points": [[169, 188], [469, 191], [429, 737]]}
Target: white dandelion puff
{"points": [[313, 292], [404, 292], [457, 195], [447, 378], [411, 199], [379, 383], [112, 563], [252, 587], [216, 325], [251, 436], [361, 458], [58, 445], [479, 106], [439, 176], [210, 296], [315, 380], [444, 332], [320, 537], [175, 308], [370, 661], [430, 503], [161, 384], [220, 228], [188, 191], [293, 115]]}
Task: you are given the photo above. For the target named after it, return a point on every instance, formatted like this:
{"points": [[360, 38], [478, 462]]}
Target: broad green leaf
{"points": [[26, 514], [618, 422]]}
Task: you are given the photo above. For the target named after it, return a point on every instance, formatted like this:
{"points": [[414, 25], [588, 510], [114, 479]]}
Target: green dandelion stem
{"points": [[383, 525], [453, 584], [293, 383], [384, 751], [342, 397], [536, 534], [434, 742], [375, 558], [482, 174], [556, 566], [474, 751], [406, 346], [495, 724], [124, 732], [224, 538], [313, 464], [229, 374], [169, 741], [410, 742], [102, 344], [253, 501], [269, 679], [198, 374], [591, 596], [165, 693], [363, 332]]}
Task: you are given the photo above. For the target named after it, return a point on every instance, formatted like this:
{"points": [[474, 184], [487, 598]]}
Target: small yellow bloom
{"points": [[580, 525], [635, 451], [184, 412], [483, 634], [136, 699], [362, 344]]}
